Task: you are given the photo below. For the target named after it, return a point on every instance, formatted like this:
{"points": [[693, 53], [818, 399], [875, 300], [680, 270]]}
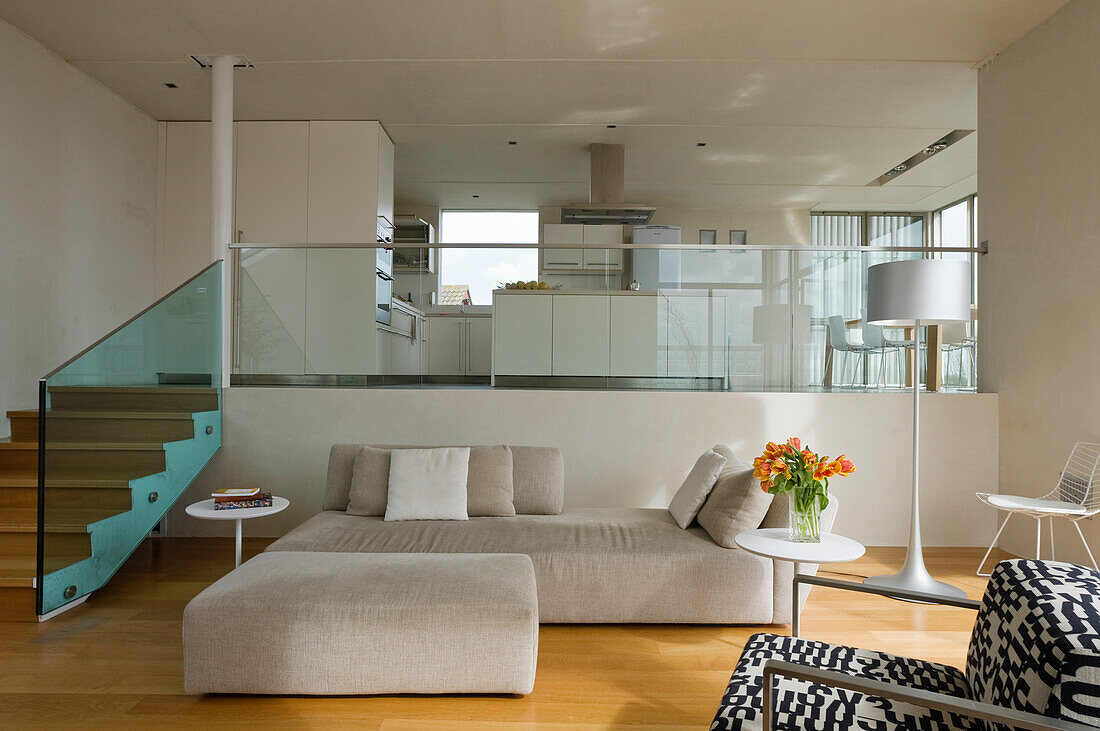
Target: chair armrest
{"points": [[904, 594], [923, 698]]}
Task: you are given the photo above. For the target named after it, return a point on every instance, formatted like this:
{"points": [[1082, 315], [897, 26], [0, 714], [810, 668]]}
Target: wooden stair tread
{"points": [[68, 520], [81, 414], [7, 443], [133, 389], [29, 479], [108, 446]]}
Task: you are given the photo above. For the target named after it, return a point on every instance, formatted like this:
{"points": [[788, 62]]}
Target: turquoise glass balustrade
{"points": [[124, 428]]}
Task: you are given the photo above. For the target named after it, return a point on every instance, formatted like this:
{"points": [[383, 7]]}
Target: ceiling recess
{"points": [[929, 151]]}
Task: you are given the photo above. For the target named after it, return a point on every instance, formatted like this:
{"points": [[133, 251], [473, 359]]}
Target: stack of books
{"points": [[235, 498]]}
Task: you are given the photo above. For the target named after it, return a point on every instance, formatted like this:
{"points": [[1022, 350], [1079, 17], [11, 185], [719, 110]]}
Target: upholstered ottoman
{"points": [[354, 623]]}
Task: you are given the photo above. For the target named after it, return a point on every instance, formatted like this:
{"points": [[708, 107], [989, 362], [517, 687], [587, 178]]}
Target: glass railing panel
{"points": [[744, 318], [126, 426]]}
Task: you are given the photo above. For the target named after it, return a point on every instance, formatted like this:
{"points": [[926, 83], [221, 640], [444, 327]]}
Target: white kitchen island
{"points": [[674, 334]]}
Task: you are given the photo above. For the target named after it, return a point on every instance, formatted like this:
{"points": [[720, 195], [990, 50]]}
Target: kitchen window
{"points": [[481, 270]]}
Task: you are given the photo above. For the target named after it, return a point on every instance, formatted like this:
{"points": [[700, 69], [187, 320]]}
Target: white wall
{"points": [[622, 448], [77, 200], [1038, 192]]}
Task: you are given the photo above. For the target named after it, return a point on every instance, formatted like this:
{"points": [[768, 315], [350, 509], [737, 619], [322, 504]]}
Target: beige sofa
{"points": [[618, 565]]}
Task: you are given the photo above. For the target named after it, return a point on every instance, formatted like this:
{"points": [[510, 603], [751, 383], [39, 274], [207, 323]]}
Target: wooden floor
{"points": [[116, 660]]}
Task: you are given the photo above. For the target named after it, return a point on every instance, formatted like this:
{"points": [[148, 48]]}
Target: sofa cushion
{"points": [[736, 503], [428, 484], [370, 480], [538, 479], [802, 706], [695, 488], [1036, 640], [538, 476], [490, 484], [592, 565]]}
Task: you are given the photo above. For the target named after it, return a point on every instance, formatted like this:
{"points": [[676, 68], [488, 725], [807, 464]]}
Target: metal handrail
{"points": [[106, 337], [980, 249]]}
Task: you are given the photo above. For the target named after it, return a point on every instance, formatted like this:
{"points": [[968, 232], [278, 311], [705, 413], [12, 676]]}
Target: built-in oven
{"points": [[383, 288], [383, 295]]}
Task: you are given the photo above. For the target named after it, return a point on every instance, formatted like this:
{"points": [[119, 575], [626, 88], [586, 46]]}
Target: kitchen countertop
{"points": [[594, 292]]}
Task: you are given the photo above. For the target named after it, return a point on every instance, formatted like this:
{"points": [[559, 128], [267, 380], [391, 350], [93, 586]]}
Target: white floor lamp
{"points": [[915, 293]]}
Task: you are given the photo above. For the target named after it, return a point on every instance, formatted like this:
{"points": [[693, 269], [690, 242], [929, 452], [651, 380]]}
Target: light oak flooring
{"points": [[117, 660]]}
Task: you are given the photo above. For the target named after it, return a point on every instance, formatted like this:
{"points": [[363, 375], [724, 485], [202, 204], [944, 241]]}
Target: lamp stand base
{"points": [[917, 580]]}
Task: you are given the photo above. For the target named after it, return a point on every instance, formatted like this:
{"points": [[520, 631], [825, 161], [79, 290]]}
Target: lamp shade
{"points": [[780, 324], [934, 291]]}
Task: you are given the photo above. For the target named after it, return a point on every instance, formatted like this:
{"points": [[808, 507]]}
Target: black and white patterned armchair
{"points": [[1033, 663]]}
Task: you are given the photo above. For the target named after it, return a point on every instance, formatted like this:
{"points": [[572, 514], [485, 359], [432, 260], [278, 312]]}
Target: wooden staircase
{"points": [[99, 438]]}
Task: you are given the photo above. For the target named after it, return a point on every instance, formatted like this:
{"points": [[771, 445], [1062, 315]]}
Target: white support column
{"points": [[221, 170]]}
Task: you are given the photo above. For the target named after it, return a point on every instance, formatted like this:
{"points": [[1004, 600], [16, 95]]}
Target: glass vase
{"points": [[805, 514]]}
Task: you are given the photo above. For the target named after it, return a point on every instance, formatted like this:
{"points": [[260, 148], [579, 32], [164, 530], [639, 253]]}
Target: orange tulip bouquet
{"points": [[797, 472]]}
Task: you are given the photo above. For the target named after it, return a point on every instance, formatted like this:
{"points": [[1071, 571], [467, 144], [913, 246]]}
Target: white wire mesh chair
{"points": [[1076, 497]]}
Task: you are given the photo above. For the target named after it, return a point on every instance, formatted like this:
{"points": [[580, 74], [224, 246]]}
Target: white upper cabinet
{"points": [[272, 182], [385, 178], [349, 164], [602, 234]]}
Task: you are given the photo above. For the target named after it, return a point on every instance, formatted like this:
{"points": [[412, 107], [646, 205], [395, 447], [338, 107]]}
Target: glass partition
{"points": [[688, 317], [124, 427]]}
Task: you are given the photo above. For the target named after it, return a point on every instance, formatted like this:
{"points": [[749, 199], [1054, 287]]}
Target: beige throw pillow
{"points": [[370, 480], [693, 492], [489, 482], [489, 486], [428, 484], [735, 504]]}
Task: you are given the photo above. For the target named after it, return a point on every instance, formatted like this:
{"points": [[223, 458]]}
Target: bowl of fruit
{"points": [[530, 285]]}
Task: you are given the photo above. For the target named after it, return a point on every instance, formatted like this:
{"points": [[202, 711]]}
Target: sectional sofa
{"points": [[598, 565]]}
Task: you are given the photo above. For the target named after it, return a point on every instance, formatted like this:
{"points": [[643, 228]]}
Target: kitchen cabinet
{"points": [[270, 194], [581, 335], [350, 176], [522, 334], [400, 346], [460, 346], [589, 257], [479, 346], [603, 260], [446, 346], [563, 259], [339, 321], [633, 336]]}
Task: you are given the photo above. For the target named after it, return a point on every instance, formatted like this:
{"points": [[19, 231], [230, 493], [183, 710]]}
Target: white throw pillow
{"points": [[428, 484], [693, 493]]}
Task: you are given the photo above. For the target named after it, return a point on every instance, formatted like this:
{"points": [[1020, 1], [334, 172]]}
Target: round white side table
{"points": [[205, 509], [776, 544]]}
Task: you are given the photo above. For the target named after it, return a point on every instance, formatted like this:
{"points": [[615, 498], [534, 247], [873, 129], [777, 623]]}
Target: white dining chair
{"points": [[840, 342], [876, 340], [1074, 499]]}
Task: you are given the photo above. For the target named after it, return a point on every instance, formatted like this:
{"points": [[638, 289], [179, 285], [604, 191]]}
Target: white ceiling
{"points": [[801, 102]]}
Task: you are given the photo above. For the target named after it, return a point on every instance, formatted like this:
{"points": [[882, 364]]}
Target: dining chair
{"points": [[1075, 498], [874, 338], [840, 342], [957, 341]]}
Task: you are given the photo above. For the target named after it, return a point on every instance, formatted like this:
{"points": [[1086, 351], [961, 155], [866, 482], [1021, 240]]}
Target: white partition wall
{"points": [[625, 449]]}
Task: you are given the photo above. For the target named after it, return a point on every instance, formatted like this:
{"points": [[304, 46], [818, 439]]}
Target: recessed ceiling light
{"points": [[612, 126], [476, 195], [511, 142], [901, 168], [700, 144], [170, 85]]}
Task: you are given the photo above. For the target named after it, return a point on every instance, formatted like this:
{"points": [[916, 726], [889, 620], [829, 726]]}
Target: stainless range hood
{"points": [[606, 186]]}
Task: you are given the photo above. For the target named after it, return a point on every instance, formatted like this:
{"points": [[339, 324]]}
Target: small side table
{"points": [[775, 543], [205, 509]]}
